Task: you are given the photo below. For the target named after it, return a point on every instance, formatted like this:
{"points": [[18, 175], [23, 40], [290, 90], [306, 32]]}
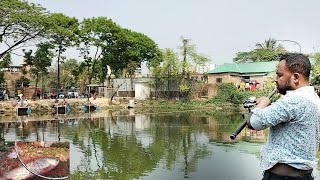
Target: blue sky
{"points": [[220, 29]]}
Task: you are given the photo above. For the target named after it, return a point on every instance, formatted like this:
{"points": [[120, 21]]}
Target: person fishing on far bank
{"points": [[293, 120]]}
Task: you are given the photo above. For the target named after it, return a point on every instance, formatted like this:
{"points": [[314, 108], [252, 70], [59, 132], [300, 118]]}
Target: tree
{"points": [[315, 73], [269, 50], [166, 73], [131, 68], [23, 81], [20, 23], [199, 60], [63, 34], [170, 66], [256, 55], [70, 73], [129, 46], [95, 35], [4, 63], [187, 49], [40, 61], [190, 56], [270, 44]]}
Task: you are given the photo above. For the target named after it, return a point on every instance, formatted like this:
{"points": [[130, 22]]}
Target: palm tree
{"points": [[270, 44]]}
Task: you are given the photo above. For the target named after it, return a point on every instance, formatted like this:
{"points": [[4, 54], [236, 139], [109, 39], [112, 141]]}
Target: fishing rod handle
{"points": [[273, 92], [244, 123], [238, 130]]}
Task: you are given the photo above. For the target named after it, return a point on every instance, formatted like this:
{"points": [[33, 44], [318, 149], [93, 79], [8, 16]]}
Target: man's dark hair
{"points": [[297, 63]]}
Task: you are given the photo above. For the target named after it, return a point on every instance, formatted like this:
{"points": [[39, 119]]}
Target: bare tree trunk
{"points": [[95, 59], [59, 54], [184, 54], [115, 93], [37, 79]]}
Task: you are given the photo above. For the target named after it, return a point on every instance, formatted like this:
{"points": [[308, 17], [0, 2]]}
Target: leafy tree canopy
{"points": [[40, 61], [21, 23], [63, 29], [315, 73], [269, 50], [129, 46], [6, 61], [95, 35], [170, 66]]}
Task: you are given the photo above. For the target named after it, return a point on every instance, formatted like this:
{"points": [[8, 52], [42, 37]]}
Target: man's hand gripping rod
{"points": [[244, 123]]}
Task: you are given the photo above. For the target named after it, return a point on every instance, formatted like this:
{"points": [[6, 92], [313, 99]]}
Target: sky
{"points": [[219, 29]]}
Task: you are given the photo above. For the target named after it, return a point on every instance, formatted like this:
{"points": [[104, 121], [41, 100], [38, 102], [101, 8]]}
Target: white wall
{"points": [[142, 90]]}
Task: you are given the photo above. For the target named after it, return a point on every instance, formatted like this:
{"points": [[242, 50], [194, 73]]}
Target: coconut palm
{"points": [[270, 44]]}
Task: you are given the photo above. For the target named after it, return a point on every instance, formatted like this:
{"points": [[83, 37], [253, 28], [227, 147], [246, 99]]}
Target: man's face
{"points": [[283, 78]]}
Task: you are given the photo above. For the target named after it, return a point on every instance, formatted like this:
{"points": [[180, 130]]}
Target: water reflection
{"points": [[126, 145], [216, 134], [120, 146]]}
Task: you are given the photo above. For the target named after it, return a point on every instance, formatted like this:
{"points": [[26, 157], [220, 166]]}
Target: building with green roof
{"points": [[256, 72], [246, 68]]}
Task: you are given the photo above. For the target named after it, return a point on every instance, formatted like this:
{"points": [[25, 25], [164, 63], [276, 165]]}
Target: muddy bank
{"points": [[44, 106]]}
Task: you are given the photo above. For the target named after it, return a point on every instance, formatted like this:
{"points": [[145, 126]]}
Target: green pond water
{"points": [[193, 145]]}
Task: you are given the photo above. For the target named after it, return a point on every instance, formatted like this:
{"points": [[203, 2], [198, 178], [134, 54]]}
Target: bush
{"points": [[227, 92]]}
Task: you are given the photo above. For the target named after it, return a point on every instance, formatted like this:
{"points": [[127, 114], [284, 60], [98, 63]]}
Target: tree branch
{"points": [[4, 30], [16, 54], [93, 64], [22, 40]]}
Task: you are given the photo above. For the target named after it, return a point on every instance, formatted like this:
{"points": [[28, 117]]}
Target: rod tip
{"points": [[232, 137]]}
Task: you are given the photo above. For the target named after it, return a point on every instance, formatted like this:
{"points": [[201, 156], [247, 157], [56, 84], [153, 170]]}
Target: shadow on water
{"points": [[125, 145]]}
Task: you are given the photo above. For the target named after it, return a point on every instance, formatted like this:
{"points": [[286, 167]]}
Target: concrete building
{"points": [[235, 73], [13, 73]]}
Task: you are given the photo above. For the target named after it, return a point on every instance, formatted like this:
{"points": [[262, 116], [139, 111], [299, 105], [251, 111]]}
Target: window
{"points": [[218, 80]]}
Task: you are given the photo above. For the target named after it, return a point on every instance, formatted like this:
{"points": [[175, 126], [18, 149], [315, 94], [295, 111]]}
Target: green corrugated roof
{"points": [[257, 67]]}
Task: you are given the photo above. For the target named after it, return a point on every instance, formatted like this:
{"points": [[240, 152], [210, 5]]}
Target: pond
{"points": [[125, 145]]}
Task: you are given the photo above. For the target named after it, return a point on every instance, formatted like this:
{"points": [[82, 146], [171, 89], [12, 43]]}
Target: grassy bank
{"points": [[174, 105], [44, 106]]}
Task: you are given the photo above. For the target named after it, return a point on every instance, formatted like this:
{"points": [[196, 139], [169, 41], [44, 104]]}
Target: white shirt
{"points": [[294, 122]]}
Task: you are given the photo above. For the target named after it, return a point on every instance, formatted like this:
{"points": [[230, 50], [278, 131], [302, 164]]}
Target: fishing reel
{"points": [[250, 102]]}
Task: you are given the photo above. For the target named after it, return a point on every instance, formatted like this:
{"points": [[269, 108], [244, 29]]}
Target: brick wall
{"points": [[227, 78]]}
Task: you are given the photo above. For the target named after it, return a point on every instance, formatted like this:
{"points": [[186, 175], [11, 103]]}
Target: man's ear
{"points": [[296, 77]]}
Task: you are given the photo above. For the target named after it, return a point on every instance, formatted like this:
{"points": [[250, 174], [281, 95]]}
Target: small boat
{"points": [[45, 164], [24, 111], [61, 109], [90, 107]]}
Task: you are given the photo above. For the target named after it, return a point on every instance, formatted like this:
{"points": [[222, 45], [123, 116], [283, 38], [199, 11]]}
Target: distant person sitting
{"points": [[5, 95], [253, 86], [19, 103], [242, 86], [26, 103], [53, 95]]}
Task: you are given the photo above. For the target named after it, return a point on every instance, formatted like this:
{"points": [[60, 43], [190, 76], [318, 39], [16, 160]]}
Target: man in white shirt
{"points": [[293, 120]]}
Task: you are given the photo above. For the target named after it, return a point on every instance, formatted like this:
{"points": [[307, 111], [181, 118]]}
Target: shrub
{"points": [[227, 92]]}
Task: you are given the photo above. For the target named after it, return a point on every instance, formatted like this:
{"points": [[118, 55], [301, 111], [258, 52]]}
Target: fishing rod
{"points": [[38, 165], [247, 104], [36, 170]]}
